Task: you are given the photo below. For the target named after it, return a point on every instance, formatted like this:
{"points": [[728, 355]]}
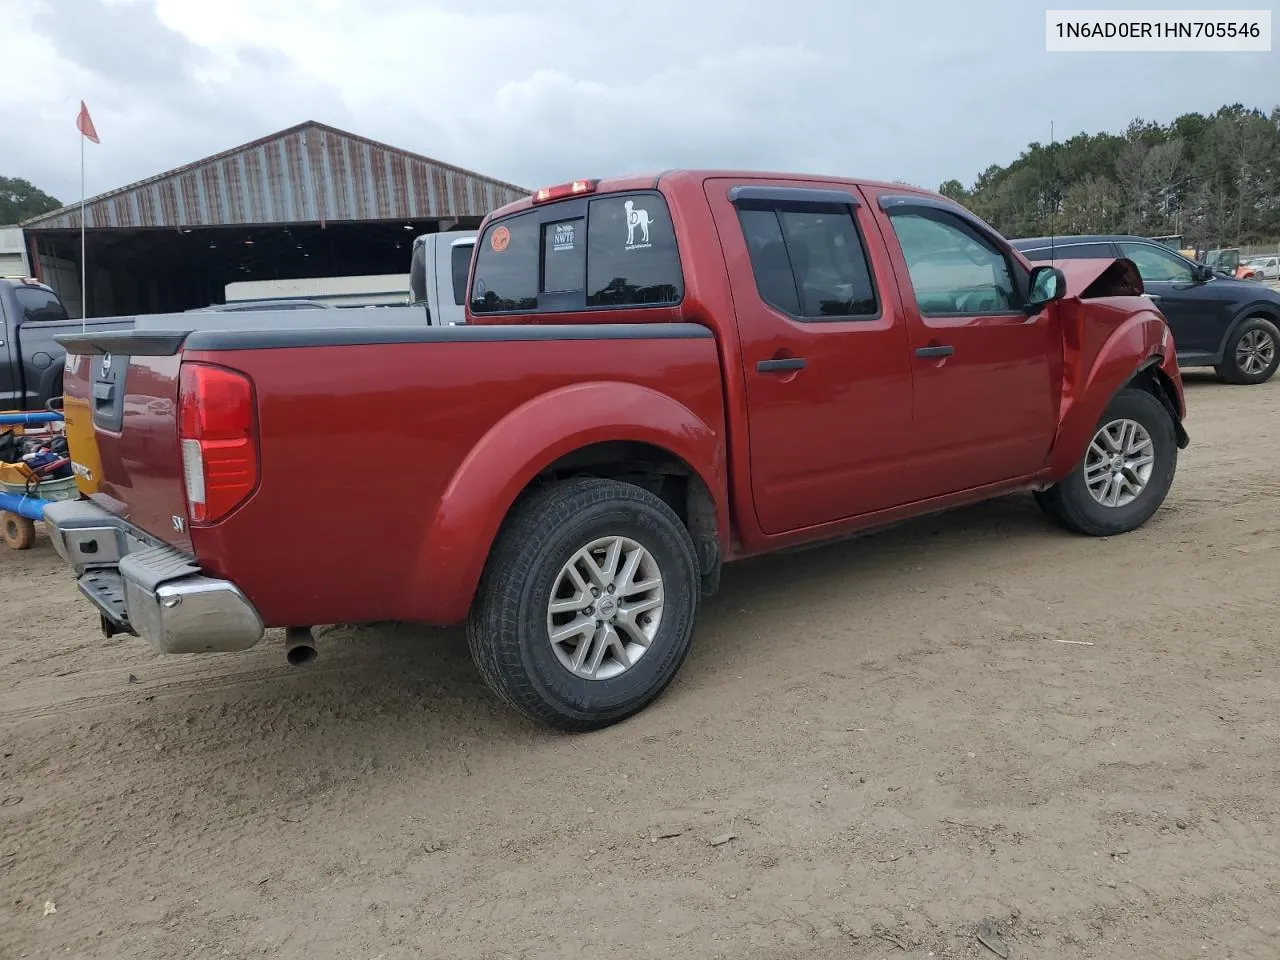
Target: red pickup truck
{"points": [[658, 375]]}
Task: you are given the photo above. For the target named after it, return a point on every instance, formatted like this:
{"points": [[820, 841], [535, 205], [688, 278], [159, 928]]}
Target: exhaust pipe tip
{"points": [[299, 647]]}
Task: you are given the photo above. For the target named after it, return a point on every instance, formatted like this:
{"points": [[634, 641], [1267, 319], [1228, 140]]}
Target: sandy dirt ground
{"points": [[873, 748]]}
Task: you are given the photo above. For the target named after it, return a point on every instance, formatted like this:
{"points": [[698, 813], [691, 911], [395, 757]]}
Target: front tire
{"points": [[586, 607], [1252, 354], [1126, 471]]}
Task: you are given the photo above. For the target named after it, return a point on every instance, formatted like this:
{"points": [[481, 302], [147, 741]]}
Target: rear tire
{"points": [[1252, 354], [1115, 488], [586, 607]]}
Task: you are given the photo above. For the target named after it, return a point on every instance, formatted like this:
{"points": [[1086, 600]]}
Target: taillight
{"points": [[559, 192], [216, 426]]}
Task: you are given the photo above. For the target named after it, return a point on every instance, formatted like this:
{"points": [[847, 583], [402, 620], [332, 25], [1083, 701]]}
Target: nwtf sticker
{"points": [[563, 238]]}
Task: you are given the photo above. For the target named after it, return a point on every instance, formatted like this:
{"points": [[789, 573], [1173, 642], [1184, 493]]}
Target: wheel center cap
{"points": [[607, 607]]}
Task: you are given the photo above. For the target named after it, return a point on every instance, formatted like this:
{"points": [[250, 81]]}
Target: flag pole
{"points": [[84, 270]]}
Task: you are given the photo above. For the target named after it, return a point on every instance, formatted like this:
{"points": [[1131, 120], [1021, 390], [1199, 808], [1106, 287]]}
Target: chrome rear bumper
{"points": [[150, 590]]}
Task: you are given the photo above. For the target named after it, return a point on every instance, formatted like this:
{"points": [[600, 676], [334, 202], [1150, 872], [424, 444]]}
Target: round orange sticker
{"points": [[499, 240]]}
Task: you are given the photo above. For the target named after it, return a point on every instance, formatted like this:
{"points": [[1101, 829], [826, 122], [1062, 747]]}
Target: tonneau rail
{"points": [[169, 343]]}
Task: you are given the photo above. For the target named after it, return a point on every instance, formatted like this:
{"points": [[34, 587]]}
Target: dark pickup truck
{"points": [[657, 375], [31, 360]]}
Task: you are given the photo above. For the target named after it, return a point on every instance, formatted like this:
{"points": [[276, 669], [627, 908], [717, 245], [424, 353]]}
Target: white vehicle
{"points": [[354, 291], [438, 273], [1265, 268]]}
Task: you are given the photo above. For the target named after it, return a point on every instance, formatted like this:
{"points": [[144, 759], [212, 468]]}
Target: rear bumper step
{"points": [[150, 590]]}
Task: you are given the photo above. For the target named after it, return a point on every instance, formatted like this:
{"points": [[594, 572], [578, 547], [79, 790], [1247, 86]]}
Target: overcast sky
{"points": [[543, 91]]}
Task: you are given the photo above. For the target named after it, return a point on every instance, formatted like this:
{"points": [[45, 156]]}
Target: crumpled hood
{"points": [[1090, 279]]}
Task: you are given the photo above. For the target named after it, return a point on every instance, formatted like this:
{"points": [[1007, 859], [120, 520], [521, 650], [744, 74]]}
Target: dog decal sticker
{"points": [[637, 219]]}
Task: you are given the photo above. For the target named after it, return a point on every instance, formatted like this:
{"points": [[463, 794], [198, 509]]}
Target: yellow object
{"points": [[15, 473], [82, 444]]}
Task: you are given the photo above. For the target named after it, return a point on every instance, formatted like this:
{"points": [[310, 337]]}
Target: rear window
{"points": [[460, 264], [39, 305], [617, 250]]}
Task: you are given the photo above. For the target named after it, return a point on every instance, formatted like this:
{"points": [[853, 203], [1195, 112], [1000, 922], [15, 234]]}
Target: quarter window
{"points": [[809, 260], [1157, 264], [953, 271]]}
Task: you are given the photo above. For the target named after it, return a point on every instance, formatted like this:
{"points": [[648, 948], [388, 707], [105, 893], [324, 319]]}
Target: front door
{"points": [[823, 350], [986, 373], [1197, 312]]}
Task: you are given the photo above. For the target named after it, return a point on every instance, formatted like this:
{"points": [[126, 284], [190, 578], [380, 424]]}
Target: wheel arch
{"points": [[1256, 308], [611, 429], [1134, 349]]}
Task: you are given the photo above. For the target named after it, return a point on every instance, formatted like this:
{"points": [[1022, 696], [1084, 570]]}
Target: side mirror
{"points": [[1203, 273], [1047, 284]]}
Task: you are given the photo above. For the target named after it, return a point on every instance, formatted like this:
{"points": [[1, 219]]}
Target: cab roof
{"points": [[650, 181]]}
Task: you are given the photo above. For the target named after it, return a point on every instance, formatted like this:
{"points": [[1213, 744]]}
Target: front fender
{"points": [[525, 442], [1106, 342]]}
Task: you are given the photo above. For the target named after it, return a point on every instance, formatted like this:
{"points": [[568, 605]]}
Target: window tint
{"points": [[769, 261], [1071, 251], [460, 266], [809, 261], [38, 305], [631, 252], [564, 256], [507, 266], [830, 266], [1156, 263], [622, 254], [952, 271]]}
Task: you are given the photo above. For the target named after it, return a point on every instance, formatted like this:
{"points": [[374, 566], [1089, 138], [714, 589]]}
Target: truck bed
{"points": [[364, 430]]}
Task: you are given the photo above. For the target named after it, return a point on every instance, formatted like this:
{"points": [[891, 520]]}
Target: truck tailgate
{"points": [[134, 467]]}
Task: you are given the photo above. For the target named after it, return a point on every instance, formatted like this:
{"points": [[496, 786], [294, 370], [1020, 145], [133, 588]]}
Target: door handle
{"points": [[780, 364], [936, 350]]}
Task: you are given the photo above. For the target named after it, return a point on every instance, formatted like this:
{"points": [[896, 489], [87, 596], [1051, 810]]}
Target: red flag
{"points": [[84, 123]]}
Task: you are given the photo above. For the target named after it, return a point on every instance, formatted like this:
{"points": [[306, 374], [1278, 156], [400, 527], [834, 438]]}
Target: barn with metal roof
{"points": [[310, 201]]}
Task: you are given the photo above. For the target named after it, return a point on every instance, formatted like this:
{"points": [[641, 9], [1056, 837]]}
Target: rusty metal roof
{"points": [[311, 173]]}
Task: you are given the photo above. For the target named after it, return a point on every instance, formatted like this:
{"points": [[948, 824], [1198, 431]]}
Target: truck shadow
{"points": [[424, 676], [389, 701]]}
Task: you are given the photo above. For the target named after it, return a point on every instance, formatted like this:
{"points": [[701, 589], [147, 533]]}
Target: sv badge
{"points": [[178, 523]]}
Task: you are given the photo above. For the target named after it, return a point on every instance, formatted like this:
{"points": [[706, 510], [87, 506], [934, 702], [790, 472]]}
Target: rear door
{"points": [[823, 350], [987, 375]]}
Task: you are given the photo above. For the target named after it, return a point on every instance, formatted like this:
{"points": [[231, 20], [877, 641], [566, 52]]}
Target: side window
{"points": [[632, 258], [460, 266], [809, 261], [38, 305], [953, 271], [1156, 264], [507, 266], [1071, 251], [769, 262]]}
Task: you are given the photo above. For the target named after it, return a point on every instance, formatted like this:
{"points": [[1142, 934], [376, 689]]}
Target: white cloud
{"points": [[536, 93]]}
